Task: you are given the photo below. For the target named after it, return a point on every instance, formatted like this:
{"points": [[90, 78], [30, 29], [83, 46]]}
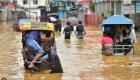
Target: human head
{"points": [[106, 33], [80, 22], [49, 20], [68, 23]]}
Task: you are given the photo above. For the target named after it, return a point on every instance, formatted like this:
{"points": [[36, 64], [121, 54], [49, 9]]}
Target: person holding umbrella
{"points": [[73, 22]]}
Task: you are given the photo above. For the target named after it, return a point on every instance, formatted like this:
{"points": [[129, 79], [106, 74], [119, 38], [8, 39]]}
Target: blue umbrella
{"points": [[117, 19]]}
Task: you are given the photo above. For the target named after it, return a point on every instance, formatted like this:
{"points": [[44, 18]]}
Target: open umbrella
{"points": [[53, 19], [117, 19], [73, 20]]}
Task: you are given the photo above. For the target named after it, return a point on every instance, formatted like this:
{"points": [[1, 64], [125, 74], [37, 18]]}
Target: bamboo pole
{"points": [[111, 7]]}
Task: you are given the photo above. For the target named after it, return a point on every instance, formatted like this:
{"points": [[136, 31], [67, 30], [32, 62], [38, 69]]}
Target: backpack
{"points": [[80, 28]]}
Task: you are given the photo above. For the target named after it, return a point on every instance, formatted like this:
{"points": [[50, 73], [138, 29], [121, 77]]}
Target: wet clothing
{"points": [[72, 28], [80, 28], [107, 45], [35, 35], [58, 26], [110, 31], [32, 42], [107, 50], [107, 41], [67, 32], [54, 59], [80, 31], [80, 36], [33, 46], [32, 54]]}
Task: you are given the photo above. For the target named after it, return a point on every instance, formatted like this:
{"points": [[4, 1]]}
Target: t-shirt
{"points": [[35, 35], [80, 28], [107, 41], [67, 30]]}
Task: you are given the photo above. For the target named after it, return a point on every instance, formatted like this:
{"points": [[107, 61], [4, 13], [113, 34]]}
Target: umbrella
{"points": [[53, 19], [73, 20], [117, 19]]}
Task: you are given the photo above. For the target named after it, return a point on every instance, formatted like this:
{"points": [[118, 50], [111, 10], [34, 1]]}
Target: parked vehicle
{"points": [[51, 59], [20, 17], [121, 30], [21, 22]]}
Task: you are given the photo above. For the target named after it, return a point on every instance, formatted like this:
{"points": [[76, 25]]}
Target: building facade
{"points": [[33, 8], [108, 7], [129, 8]]}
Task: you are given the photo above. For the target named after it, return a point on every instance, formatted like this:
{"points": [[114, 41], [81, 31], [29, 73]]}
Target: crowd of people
{"points": [[67, 31], [118, 39], [79, 32], [39, 45]]}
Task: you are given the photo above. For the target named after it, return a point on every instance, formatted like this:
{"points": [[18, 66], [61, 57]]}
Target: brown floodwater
{"points": [[81, 59], [10, 56]]}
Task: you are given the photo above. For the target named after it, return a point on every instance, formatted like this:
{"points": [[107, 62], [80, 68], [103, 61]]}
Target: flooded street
{"points": [[81, 59], [10, 56]]}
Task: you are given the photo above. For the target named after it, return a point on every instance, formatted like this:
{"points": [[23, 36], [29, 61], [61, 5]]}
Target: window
{"points": [[35, 1], [25, 1]]}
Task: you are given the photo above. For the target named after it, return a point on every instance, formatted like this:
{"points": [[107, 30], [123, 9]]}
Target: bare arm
{"points": [[43, 38], [84, 32]]}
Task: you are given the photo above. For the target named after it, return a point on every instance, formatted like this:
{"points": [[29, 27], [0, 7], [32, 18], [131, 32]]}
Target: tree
{"points": [[92, 8]]}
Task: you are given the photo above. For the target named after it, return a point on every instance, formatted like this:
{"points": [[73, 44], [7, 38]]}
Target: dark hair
{"points": [[49, 21], [106, 34], [80, 22], [68, 23]]}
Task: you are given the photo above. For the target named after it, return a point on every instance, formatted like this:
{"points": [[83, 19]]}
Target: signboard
{"points": [[138, 7], [126, 1], [128, 9], [10, 6]]}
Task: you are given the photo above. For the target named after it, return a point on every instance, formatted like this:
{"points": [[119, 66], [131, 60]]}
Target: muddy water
{"points": [[81, 59], [10, 68]]}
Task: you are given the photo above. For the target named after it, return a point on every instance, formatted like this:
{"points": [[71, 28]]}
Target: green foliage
{"points": [[92, 8]]}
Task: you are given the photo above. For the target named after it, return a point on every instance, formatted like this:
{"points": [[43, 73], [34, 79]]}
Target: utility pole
{"points": [[15, 13], [111, 13], [99, 12], [29, 10]]}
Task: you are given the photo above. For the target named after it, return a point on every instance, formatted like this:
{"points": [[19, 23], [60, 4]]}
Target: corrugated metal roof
{"points": [[97, 1]]}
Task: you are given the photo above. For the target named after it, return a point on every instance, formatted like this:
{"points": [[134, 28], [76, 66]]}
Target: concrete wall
{"points": [[93, 20], [32, 9], [30, 3], [33, 13]]}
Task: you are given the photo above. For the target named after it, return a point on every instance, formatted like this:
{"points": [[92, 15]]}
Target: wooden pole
{"points": [[111, 7], [98, 11]]}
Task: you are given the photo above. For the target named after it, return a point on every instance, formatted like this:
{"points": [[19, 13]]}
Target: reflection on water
{"points": [[9, 56], [81, 59], [112, 67], [43, 75], [67, 43]]}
